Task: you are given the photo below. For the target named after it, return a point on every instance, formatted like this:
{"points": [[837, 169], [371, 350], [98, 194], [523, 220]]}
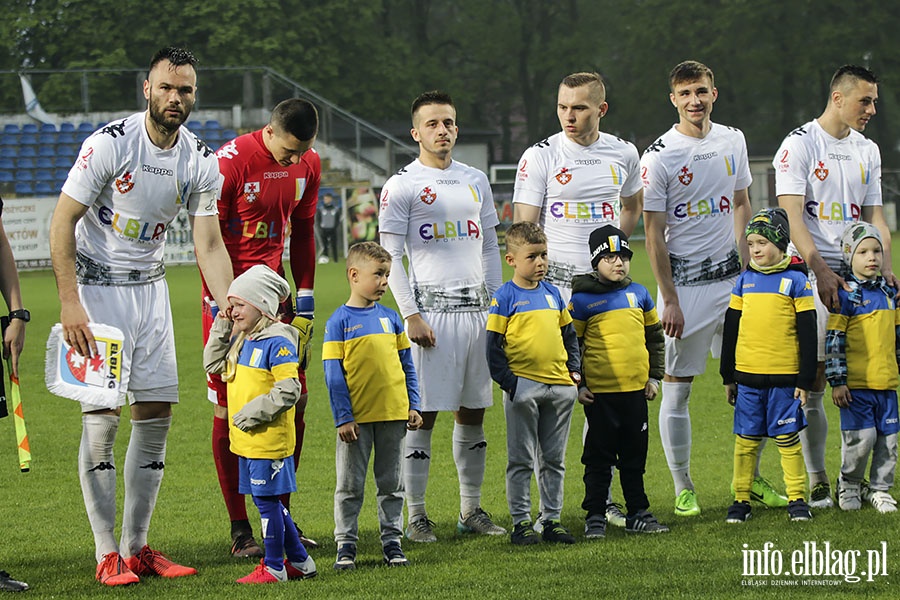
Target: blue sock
{"points": [[270, 510], [293, 547]]}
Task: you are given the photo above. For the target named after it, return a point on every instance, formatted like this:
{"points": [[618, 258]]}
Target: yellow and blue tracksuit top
{"points": [[368, 366], [617, 323], [862, 344], [769, 338]]}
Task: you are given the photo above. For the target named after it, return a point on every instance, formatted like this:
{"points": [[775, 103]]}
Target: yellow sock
{"points": [[793, 466], [745, 451]]}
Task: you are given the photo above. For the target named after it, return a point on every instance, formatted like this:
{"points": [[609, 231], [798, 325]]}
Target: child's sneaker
{"points": [[595, 526], [8, 584], [421, 530], [763, 491], [300, 570], [798, 510], [882, 501], [264, 574], [644, 522], [614, 515], [738, 512], [847, 494], [152, 562], [556, 533], [112, 570], [346, 558], [686, 504], [393, 555], [820, 497], [524, 534], [479, 522]]}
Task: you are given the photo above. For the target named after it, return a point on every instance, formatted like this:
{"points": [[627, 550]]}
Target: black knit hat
{"points": [[772, 224], [608, 240]]}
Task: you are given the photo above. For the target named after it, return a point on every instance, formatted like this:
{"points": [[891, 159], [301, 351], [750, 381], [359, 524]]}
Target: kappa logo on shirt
{"points": [[686, 177], [283, 351], [820, 172], [564, 177], [124, 184], [428, 196], [251, 191]]}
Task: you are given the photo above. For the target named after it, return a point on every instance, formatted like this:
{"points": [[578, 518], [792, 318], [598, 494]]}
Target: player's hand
{"points": [[828, 282], [802, 394], [892, 281], [731, 393], [419, 331], [651, 388], [840, 395], [585, 396], [349, 432], [76, 332], [673, 320], [415, 420], [304, 346], [13, 342]]}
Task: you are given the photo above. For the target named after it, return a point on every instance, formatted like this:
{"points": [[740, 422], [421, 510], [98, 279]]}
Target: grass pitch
{"points": [[48, 543]]}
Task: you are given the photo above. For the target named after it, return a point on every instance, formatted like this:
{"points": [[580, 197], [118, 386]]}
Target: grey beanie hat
{"points": [[853, 235], [262, 288]]}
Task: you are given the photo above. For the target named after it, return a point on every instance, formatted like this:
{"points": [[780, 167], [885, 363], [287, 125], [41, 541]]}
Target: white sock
{"points": [[144, 465], [416, 462], [97, 472], [813, 438], [675, 432], [470, 456], [856, 445]]}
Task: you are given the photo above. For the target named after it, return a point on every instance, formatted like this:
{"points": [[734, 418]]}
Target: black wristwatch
{"points": [[22, 313]]}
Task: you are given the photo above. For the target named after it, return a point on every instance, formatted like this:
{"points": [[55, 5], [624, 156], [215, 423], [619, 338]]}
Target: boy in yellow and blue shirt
{"points": [[862, 351], [533, 355], [768, 361], [374, 396]]}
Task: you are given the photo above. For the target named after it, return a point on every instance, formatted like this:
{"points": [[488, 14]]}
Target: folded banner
{"points": [[95, 380]]}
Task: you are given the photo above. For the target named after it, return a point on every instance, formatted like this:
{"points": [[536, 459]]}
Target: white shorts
{"points": [[142, 312], [454, 373], [821, 319], [703, 307]]}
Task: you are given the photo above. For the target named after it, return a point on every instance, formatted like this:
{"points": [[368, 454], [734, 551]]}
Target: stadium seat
{"points": [[23, 188], [81, 136], [9, 151], [9, 139], [27, 151], [12, 129], [65, 137], [48, 151], [194, 125], [228, 134], [86, 128], [29, 128], [46, 139], [63, 161], [25, 163], [6, 177], [28, 139], [44, 188], [61, 174], [65, 126], [70, 150], [24, 175], [212, 124], [7, 163], [44, 162], [48, 128], [44, 175]]}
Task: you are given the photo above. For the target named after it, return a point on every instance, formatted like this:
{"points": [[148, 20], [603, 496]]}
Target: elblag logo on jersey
{"points": [[685, 177], [522, 173], [125, 184], [428, 196], [583, 211], [703, 207], [832, 211], [564, 177], [251, 191], [82, 163], [820, 171]]}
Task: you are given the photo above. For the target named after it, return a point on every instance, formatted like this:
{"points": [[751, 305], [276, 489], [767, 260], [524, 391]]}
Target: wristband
{"points": [[306, 304]]}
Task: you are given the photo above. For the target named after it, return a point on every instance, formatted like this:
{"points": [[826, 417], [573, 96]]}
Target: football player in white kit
{"points": [[442, 213], [107, 238], [574, 182], [696, 206], [828, 175]]}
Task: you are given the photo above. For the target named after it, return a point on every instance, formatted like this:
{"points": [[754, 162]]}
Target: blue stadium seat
{"points": [[228, 134], [8, 152], [45, 188], [194, 125], [23, 188], [212, 124], [6, 177], [24, 175], [48, 128], [25, 163], [86, 128], [28, 139], [65, 137], [60, 175], [46, 139], [65, 126], [11, 128], [44, 162], [7, 163], [29, 128], [67, 150], [27, 151], [81, 136], [48, 151], [9, 139], [44, 175], [63, 161]]}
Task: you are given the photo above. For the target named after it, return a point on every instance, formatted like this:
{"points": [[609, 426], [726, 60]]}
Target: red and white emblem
{"points": [[428, 196], [251, 191], [564, 177], [125, 184], [686, 177], [820, 172]]}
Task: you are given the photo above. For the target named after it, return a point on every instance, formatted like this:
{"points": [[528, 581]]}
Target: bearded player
{"points": [[270, 186]]}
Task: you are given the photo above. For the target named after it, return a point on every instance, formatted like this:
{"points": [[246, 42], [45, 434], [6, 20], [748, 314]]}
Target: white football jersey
{"points": [[134, 190], [693, 180], [442, 213], [837, 178], [578, 189]]}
